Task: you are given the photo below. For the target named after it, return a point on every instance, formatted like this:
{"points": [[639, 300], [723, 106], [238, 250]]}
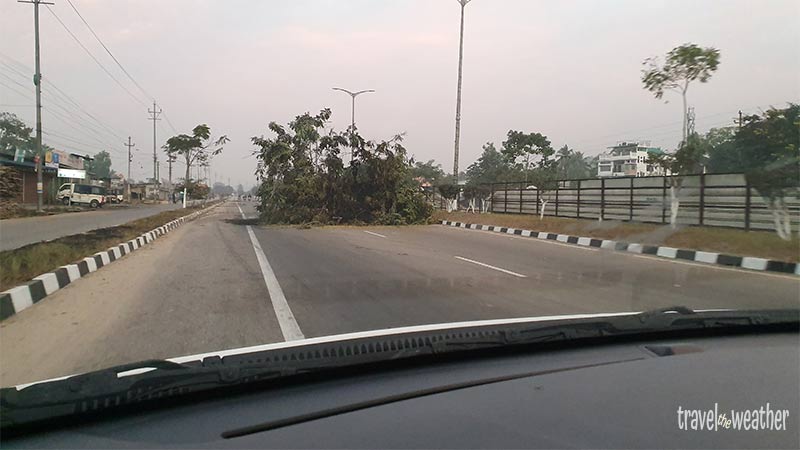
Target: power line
{"points": [[169, 122], [61, 96], [11, 88], [107, 50], [70, 119], [94, 58]]}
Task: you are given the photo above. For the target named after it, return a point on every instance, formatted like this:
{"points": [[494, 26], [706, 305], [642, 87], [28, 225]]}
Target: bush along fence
{"points": [[724, 200]]}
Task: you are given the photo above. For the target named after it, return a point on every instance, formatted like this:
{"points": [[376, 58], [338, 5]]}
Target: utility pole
{"points": [[739, 122], [128, 179], [463, 3], [155, 112], [37, 81], [170, 160]]}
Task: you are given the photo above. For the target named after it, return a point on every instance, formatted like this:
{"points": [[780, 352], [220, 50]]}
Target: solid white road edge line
{"points": [[289, 327], [374, 234], [492, 267]]}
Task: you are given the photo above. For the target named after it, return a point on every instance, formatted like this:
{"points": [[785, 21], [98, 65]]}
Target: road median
{"points": [[30, 273]]}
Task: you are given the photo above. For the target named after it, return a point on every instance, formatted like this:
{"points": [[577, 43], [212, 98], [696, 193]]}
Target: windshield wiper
{"points": [[157, 379]]}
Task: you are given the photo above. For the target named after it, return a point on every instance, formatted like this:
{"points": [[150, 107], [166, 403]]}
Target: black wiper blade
{"points": [[110, 388]]}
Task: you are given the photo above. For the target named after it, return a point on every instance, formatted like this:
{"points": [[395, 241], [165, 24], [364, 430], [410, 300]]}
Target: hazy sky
{"points": [[567, 69]]}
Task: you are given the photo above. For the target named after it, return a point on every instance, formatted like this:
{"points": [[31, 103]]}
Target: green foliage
{"points": [[449, 191], [14, 134], [521, 148], [491, 167], [688, 159], [194, 189], [573, 165], [303, 178], [724, 155], [197, 148], [683, 65], [100, 166], [768, 148], [430, 171]]}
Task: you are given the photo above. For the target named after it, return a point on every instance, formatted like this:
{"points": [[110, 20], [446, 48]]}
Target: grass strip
{"points": [[22, 264]]}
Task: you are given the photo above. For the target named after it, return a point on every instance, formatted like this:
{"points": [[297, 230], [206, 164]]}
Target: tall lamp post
{"points": [[463, 3], [353, 96]]}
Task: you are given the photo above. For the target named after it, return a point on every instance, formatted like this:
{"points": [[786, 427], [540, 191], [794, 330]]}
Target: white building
{"points": [[628, 159]]}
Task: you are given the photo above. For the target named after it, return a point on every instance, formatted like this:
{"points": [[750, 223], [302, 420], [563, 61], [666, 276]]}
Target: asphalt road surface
{"points": [[216, 284], [15, 233]]}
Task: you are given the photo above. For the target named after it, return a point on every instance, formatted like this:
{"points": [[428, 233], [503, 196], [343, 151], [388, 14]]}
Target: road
{"points": [[203, 288], [15, 233]]}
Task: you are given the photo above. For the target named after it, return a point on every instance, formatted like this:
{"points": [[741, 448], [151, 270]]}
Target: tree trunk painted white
{"points": [[685, 113], [471, 205], [782, 218], [541, 212], [674, 204], [485, 205], [452, 204]]}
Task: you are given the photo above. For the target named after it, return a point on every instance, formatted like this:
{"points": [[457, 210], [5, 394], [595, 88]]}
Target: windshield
{"points": [[290, 170]]}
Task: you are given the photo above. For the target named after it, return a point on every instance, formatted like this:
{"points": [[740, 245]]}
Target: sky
{"points": [[570, 70]]}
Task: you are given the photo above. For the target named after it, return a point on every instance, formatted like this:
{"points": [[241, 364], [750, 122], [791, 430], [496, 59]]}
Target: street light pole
{"points": [[463, 3], [353, 96]]}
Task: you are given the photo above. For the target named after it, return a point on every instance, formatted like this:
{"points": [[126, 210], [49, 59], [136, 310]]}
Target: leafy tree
{"points": [[544, 179], [687, 160], [14, 134], [521, 148], [768, 145], [491, 167], [194, 188], [196, 148], [450, 192], [571, 164], [723, 154], [429, 170], [303, 178], [591, 165], [684, 64], [100, 166]]}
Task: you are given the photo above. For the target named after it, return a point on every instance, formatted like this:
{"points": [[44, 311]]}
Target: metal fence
{"points": [[724, 200]]}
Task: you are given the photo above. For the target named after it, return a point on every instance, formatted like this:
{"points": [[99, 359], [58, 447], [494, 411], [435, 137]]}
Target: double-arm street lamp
{"points": [[353, 96]]}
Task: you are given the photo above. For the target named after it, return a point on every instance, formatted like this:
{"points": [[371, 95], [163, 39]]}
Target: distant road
{"points": [[15, 233]]}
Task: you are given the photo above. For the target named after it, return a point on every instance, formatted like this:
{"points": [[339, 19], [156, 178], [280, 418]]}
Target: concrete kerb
{"points": [[742, 262], [18, 298]]}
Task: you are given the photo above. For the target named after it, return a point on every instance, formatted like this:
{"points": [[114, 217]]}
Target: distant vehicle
{"points": [[115, 196], [74, 193]]}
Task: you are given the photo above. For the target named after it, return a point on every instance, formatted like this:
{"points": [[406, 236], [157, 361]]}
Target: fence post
{"points": [[630, 212], [505, 198], [537, 201], [702, 196], [664, 201], [557, 186], [491, 198], [520, 198], [578, 206], [602, 198], [746, 205]]}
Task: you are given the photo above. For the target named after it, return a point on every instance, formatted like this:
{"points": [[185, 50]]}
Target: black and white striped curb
{"points": [[744, 262], [24, 296]]}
